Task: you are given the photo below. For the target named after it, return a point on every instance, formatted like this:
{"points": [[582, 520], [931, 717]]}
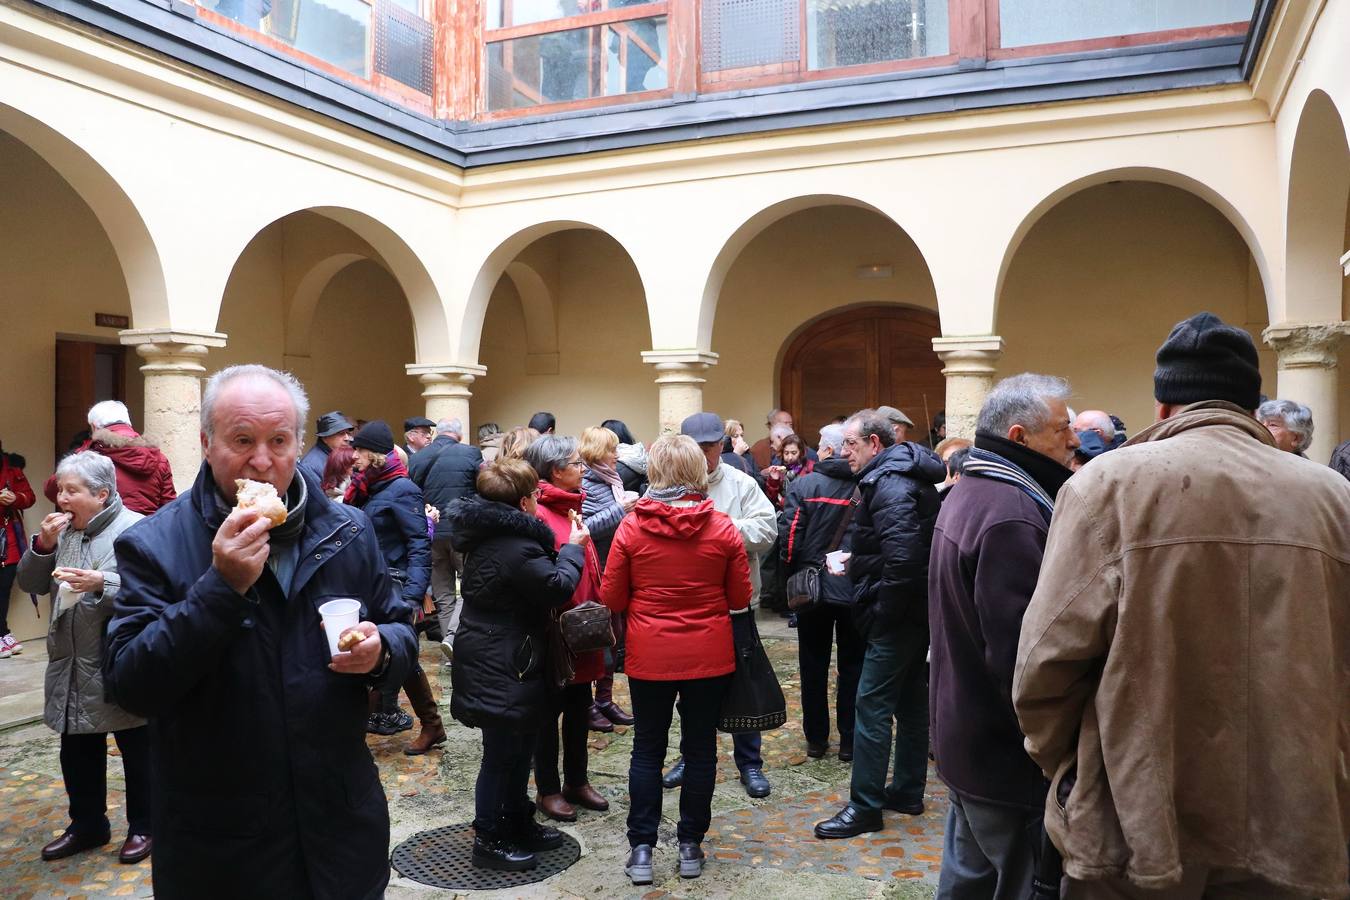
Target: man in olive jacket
{"points": [[263, 786], [1182, 672]]}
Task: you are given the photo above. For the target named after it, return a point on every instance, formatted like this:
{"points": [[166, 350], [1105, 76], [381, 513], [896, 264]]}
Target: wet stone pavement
{"points": [[754, 846]]}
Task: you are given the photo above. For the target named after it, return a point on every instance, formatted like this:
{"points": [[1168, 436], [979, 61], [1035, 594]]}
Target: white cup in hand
{"points": [[836, 561]]}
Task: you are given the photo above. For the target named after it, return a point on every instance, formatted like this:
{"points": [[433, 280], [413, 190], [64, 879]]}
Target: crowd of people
{"points": [[1127, 658]]}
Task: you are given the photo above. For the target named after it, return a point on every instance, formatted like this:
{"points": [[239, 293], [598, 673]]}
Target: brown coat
{"points": [[1187, 656]]}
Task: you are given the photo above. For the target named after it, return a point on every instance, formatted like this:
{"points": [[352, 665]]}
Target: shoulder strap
{"points": [[845, 521]]}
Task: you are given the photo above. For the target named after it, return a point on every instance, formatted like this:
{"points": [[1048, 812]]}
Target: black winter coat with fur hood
{"points": [[512, 579]]}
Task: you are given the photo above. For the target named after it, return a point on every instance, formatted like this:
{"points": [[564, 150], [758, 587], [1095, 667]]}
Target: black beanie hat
{"points": [[1204, 359], [375, 436]]}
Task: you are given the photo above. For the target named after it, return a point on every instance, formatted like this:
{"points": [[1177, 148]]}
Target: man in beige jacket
{"points": [[1183, 675]]}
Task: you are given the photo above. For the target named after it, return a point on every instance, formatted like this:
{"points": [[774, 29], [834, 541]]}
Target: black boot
{"points": [[530, 835], [490, 852]]}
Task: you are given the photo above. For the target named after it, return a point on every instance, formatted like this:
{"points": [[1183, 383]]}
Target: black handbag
{"points": [[586, 627], [754, 700], [803, 587]]}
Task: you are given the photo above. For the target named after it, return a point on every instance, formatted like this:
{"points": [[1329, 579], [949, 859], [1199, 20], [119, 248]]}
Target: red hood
{"points": [[681, 522], [558, 501], [127, 449]]}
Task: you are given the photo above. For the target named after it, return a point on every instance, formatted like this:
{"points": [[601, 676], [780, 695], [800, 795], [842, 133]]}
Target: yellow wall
{"points": [[602, 330], [1100, 281]]}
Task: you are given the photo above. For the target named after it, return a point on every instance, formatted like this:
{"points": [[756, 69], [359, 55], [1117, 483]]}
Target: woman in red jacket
{"points": [[678, 569], [15, 497], [560, 469]]}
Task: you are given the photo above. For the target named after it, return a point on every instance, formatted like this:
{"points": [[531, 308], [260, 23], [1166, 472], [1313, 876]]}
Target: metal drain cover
{"points": [[443, 858]]}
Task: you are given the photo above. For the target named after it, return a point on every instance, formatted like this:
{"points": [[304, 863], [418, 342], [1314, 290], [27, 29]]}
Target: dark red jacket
{"points": [[144, 478], [678, 572], [11, 517], [554, 502]]}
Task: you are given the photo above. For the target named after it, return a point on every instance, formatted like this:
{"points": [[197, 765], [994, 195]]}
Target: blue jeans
{"points": [[892, 687]]}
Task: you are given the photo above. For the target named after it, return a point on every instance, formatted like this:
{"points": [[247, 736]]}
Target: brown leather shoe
{"points": [[431, 735], [597, 721], [586, 797], [71, 843], [614, 712], [555, 807], [134, 849]]}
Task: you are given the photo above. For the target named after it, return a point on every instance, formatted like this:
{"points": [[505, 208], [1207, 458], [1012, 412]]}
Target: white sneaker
{"points": [[12, 645], [448, 651]]}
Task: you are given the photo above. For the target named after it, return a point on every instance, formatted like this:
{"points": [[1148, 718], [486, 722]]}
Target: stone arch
{"points": [[304, 300], [741, 237], [1137, 173], [116, 212], [1315, 226], [541, 317], [536, 300], [431, 333]]}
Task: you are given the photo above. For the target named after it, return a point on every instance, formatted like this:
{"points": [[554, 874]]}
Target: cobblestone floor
{"points": [[754, 845]]}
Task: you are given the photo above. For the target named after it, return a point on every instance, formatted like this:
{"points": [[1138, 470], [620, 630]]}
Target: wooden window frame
{"points": [[379, 84], [798, 72], [995, 50], [611, 17]]}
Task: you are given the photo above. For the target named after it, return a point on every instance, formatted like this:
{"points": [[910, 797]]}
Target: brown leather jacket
{"points": [[1185, 660]]}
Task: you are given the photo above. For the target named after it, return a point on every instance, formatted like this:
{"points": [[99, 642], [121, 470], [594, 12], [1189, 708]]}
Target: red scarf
{"points": [[358, 492]]}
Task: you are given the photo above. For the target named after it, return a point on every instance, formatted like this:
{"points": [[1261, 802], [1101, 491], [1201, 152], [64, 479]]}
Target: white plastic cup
{"points": [[835, 561], [338, 616]]}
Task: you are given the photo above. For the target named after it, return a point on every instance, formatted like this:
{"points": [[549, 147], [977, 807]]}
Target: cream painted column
{"points": [[968, 365], [173, 372], [1307, 374], [446, 390], [679, 385]]}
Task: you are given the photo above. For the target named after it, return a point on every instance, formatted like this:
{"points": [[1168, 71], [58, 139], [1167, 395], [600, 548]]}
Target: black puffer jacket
{"points": [[815, 506], [512, 578], [398, 513], [892, 536], [445, 470]]}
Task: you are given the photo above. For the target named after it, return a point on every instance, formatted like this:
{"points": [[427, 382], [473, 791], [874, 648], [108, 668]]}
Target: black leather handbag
{"points": [[586, 627], [803, 586], [754, 701]]}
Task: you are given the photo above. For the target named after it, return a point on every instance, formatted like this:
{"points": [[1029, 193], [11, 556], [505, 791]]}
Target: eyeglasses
{"points": [[574, 464], [536, 493]]}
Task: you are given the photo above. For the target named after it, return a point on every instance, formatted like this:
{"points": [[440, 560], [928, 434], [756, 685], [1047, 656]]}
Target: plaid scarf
{"points": [[358, 492]]}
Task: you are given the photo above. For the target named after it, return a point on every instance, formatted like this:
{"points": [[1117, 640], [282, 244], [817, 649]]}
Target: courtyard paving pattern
{"points": [[755, 847]]}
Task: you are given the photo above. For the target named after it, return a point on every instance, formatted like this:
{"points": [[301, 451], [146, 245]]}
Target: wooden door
{"points": [[864, 357], [86, 372]]}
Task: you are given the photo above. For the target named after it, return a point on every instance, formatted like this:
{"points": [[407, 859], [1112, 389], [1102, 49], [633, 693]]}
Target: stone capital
{"points": [[974, 355], [170, 351], [444, 380], [679, 366], [1306, 345]]}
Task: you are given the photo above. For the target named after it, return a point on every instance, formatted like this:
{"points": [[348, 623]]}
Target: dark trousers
{"points": [[573, 703], [818, 629], [502, 789], [7, 574], [653, 708], [892, 687], [84, 766], [389, 690]]}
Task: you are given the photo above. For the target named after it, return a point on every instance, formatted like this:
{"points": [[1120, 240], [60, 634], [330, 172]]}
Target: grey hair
{"points": [[1295, 416], [94, 469], [549, 453], [1098, 420], [488, 429], [450, 426], [285, 380], [869, 422], [773, 412], [1021, 400], [832, 436], [108, 412]]}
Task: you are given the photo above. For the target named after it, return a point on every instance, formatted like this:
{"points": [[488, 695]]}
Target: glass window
{"points": [[336, 31], [1026, 22], [738, 34], [578, 64], [507, 13], [855, 32]]}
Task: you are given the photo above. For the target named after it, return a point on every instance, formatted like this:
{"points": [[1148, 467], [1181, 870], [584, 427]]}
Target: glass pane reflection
{"points": [[856, 32], [1026, 22]]}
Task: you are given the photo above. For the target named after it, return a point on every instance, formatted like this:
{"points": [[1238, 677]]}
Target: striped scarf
{"points": [[985, 464]]}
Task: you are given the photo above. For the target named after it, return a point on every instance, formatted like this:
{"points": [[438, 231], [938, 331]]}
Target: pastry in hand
{"points": [[349, 640], [260, 496]]}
